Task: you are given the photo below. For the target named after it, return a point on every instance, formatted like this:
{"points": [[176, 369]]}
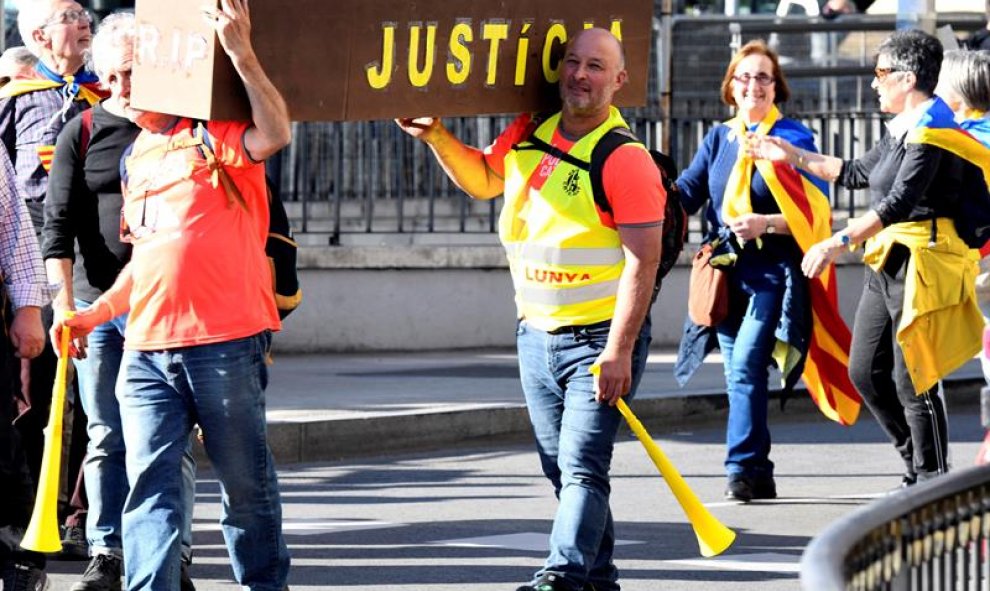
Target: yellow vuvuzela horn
{"points": [[42, 533], [713, 537]]}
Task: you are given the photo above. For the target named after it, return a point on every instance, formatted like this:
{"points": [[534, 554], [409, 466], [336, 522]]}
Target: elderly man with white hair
{"points": [[83, 209], [33, 109]]}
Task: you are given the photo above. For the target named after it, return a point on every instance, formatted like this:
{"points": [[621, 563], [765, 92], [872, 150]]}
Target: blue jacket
{"points": [[703, 184]]}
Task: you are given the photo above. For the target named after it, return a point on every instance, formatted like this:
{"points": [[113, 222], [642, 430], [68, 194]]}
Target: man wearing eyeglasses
{"points": [[33, 110], [198, 289]]}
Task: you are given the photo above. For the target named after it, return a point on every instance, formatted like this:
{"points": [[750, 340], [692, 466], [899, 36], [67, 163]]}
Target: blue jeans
{"points": [[575, 436], [221, 387], [747, 340], [105, 472]]}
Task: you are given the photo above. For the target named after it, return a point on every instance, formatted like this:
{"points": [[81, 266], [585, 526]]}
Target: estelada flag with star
{"points": [[938, 127]]}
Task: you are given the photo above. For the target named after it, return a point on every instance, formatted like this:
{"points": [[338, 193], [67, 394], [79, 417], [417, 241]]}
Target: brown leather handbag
{"points": [[708, 291]]}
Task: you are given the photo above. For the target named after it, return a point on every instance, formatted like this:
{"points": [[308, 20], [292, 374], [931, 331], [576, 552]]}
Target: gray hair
{"points": [[31, 16], [15, 59], [916, 52], [116, 31], [967, 73]]}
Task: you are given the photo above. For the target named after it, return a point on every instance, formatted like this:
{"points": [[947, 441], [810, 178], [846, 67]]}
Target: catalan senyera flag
{"points": [[803, 202], [46, 154]]}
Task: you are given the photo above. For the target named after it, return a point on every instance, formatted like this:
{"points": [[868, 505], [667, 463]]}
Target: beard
{"points": [[580, 103]]}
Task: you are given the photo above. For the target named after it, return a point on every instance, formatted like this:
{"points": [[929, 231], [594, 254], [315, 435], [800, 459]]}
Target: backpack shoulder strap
{"points": [[535, 143], [199, 130], [609, 142], [85, 132], [205, 148], [124, 178]]}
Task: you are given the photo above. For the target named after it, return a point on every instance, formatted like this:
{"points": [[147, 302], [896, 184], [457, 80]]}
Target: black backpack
{"points": [[675, 220]]}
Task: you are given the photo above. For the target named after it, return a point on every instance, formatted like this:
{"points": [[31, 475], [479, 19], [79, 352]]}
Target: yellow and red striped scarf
{"points": [[809, 217]]}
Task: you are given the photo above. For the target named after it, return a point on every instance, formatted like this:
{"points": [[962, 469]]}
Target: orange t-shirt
{"points": [[200, 273], [630, 177]]}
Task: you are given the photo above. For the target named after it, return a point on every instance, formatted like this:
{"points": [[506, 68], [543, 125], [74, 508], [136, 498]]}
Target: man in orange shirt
{"points": [[198, 289], [584, 271]]}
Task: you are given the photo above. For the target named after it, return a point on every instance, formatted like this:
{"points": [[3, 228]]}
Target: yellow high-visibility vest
{"points": [[565, 262]]}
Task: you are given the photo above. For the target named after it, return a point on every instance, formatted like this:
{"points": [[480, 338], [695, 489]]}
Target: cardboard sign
{"points": [[353, 60]]}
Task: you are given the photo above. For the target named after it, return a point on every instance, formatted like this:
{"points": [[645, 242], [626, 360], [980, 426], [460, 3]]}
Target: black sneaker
{"points": [[23, 577], [745, 489], [548, 582], [764, 488], [739, 489], [74, 544], [185, 581], [102, 574], [908, 479]]}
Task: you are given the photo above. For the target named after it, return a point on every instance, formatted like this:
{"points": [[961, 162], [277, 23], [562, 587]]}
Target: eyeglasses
{"points": [[882, 73], [67, 17], [762, 79]]}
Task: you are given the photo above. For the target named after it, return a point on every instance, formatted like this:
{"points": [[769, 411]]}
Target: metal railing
{"points": [[389, 183], [930, 537], [370, 178]]}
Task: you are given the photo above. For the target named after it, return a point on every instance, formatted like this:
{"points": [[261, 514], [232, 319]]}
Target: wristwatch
{"points": [[771, 229]]}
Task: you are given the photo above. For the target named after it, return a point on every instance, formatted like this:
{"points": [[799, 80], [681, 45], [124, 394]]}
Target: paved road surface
{"points": [[478, 518]]}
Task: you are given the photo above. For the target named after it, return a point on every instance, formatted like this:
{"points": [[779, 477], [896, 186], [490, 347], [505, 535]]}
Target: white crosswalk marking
{"points": [[769, 562], [530, 541]]}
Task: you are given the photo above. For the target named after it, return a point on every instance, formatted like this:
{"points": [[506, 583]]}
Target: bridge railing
{"points": [[934, 536]]}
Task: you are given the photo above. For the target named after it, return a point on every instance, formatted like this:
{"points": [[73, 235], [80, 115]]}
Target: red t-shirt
{"points": [[632, 182], [200, 273]]}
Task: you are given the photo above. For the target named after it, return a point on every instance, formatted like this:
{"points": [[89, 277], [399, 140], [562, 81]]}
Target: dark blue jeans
{"points": [[747, 339], [575, 436], [162, 394], [105, 471]]}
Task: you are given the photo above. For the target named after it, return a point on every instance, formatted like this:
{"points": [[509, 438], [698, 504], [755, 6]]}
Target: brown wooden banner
{"points": [[348, 60]]}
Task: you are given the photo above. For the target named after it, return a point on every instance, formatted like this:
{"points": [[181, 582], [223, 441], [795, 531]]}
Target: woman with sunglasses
{"points": [[917, 319], [760, 232]]}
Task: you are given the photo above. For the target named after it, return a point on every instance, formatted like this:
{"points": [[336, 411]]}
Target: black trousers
{"points": [[18, 486], [914, 421]]}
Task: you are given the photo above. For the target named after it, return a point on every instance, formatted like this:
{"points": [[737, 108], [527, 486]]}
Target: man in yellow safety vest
{"points": [[583, 276]]}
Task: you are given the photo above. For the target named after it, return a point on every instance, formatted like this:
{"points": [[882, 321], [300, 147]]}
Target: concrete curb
{"points": [[340, 438]]}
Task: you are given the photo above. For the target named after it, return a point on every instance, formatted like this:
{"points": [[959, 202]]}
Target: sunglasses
{"points": [[67, 17], [762, 79], [882, 73]]}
